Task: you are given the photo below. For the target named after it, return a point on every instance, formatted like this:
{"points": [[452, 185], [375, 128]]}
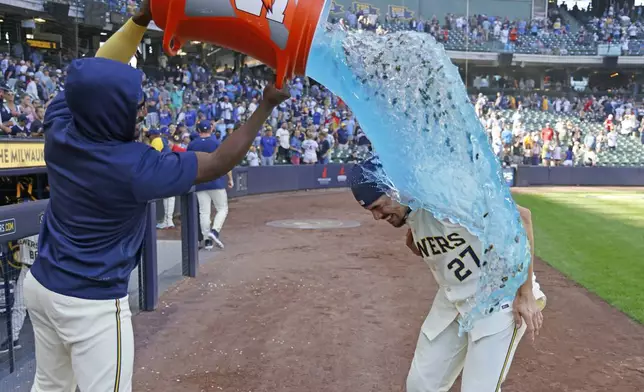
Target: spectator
{"points": [[589, 141], [32, 87], [342, 136], [506, 137], [26, 106], [252, 157], [226, 110], [527, 149], [608, 123], [555, 150], [20, 129], [268, 146], [176, 145], [10, 103], [547, 133], [599, 141], [296, 147], [324, 147], [569, 157], [611, 140], [590, 158], [283, 136], [36, 126], [310, 147]]}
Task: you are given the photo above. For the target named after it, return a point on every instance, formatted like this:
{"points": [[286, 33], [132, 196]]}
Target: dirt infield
{"points": [[340, 310]]}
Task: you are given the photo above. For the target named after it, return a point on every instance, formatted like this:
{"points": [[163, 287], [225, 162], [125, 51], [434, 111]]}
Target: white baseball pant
{"points": [[484, 363], [218, 197], [81, 342], [168, 210], [19, 309]]}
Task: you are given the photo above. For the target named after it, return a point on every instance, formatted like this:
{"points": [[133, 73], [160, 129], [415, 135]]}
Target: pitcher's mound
{"points": [[309, 224]]}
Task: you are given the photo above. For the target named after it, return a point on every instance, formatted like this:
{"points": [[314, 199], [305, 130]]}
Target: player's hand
{"points": [[230, 183], [143, 16], [411, 244], [273, 96], [525, 309]]}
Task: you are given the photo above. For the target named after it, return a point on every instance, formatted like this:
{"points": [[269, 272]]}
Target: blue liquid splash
{"points": [[413, 106]]}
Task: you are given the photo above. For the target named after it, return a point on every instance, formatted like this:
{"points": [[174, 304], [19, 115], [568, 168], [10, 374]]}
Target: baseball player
{"points": [[24, 254], [453, 254], [213, 192], [101, 180]]}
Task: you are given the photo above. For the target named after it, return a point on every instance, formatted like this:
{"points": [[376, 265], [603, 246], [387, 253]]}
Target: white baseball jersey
{"points": [[453, 255], [28, 250]]}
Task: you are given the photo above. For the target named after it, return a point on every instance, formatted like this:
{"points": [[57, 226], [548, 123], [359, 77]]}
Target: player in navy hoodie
{"points": [[101, 179]]}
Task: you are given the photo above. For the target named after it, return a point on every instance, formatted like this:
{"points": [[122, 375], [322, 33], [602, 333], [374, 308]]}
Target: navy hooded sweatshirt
{"points": [[100, 182]]}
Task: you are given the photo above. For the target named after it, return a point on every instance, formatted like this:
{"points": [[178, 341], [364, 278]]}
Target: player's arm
{"points": [[216, 164], [122, 45], [526, 218], [525, 307]]}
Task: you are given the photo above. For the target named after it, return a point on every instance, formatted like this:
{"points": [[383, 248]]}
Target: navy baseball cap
{"points": [[153, 131], [364, 188], [204, 126]]}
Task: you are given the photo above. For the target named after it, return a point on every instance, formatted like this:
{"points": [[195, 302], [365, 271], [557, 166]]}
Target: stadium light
{"points": [[39, 20], [614, 75]]}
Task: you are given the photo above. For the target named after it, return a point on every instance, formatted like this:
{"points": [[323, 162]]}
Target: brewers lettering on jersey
{"points": [[484, 354]]}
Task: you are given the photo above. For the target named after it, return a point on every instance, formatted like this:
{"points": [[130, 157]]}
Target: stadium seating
{"points": [[629, 151]]}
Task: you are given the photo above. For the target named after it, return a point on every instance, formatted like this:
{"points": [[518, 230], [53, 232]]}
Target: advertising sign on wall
{"points": [[21, 154], [365, 8], [508, 176], [400, 12], [323, 176]]}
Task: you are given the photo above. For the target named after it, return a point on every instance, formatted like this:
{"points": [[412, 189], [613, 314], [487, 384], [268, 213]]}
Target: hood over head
{"points": [[103, 97]]}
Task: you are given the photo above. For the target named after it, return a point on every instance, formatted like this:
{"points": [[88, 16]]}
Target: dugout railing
{"points": [[24, 220]]}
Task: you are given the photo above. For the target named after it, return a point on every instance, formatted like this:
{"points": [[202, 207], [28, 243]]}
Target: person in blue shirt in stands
{"points": [[165, 116], [101, 179], [191, 117], [342, 136], [211, 192], [268, 144], [20, 129]]}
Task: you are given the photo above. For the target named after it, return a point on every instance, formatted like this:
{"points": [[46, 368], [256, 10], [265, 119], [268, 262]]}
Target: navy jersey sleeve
{"points": [[57, 114], [160, 175]]}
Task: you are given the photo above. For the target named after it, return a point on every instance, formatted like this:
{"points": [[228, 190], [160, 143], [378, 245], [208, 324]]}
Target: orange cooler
{"points": [[275, 32]]}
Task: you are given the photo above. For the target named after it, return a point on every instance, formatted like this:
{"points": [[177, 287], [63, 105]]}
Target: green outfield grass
{"points": [[596, 239]]}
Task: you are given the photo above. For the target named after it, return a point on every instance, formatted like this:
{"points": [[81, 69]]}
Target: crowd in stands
{"points": [[620, 24], [520, 130], [315, 126], [26, 88], [306, 129]]}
